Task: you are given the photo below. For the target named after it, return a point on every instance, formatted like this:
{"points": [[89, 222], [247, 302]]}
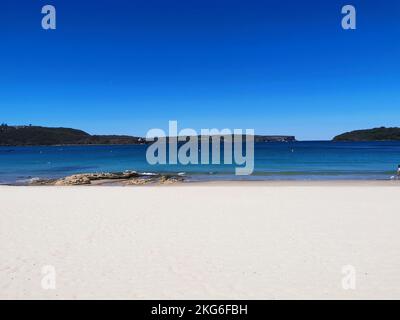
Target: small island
{"points": [[375, 134]]}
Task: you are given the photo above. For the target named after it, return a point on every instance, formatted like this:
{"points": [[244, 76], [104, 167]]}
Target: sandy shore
{"points": [[233, 240]]}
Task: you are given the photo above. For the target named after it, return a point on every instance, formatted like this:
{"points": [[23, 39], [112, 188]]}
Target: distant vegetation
{"points": [[376, 134], [34, 135]]}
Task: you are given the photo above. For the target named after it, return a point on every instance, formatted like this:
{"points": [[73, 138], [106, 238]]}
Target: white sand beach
{"points": [[266, 240]]}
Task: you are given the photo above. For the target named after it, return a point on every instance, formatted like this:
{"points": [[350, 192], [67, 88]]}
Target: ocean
{"points": [[316, 160]]}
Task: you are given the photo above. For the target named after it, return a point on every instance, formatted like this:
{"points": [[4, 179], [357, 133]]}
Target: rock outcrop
{"points": [[109, 178]]}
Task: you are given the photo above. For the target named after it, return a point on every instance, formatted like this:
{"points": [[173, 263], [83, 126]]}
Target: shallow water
{"points": [[323, 160]]}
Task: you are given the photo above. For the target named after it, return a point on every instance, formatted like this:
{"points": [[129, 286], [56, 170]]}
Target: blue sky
{"points": [[280, 67]]}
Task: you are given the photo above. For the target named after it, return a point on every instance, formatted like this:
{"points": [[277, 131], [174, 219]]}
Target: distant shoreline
{"points": [[145, 143], [49, 136]]}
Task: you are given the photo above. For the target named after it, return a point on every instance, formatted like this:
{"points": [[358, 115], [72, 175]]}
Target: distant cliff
{"points": [[274, 138], [35, 135], [376, 134]]}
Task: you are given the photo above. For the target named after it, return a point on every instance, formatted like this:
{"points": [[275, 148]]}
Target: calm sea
{"points": [[273, 161]]}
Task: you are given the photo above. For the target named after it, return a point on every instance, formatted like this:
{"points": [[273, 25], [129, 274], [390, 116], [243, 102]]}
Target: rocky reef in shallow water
{"points": [[110, 178]]}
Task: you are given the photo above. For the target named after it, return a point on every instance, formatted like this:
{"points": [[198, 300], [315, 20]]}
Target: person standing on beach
{"points": [[398, 172]]}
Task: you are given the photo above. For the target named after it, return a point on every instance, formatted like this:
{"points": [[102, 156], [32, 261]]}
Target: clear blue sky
{"points": [[280, 67]]}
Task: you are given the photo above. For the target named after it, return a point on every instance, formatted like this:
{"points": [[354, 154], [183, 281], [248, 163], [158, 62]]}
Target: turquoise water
{"points": [[283, 161]]}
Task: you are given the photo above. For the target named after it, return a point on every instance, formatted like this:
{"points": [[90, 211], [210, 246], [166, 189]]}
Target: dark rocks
{"points": [[110, 178]]}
